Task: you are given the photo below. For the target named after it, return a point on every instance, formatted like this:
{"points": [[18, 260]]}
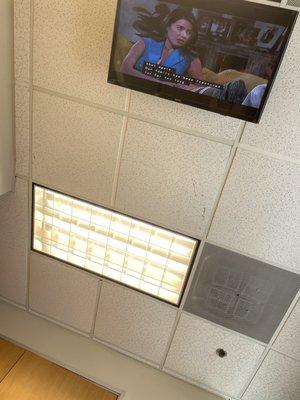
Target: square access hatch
{"points": [[241, 293]]}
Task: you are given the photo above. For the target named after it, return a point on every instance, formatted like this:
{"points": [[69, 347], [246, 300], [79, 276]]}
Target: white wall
{"points": [[6, 102], [218, 179]]}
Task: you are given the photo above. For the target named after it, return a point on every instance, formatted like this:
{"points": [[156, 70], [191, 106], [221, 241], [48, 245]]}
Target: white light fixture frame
{"points": [[115, 246]]}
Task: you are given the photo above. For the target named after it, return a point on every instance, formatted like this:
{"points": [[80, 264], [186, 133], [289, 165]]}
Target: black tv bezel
{"points": [[242, 8]]}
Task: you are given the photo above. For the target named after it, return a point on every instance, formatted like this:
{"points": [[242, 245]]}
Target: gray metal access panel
{"points": [[240, 293]]}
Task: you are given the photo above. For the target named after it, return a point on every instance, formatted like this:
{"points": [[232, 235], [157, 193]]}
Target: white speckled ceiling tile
{"points": [[278, 131], [14, 243], [169, 177], [184, 116], [72, 42], [75, 147], [134, 322], [21, 39], [193, 355], [277, 379], [61, 292], [258, 212], [288, 341], [22, 130]]}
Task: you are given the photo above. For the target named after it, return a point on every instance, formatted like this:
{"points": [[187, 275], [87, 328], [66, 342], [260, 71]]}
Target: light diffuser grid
{"points": [[127, 250]]}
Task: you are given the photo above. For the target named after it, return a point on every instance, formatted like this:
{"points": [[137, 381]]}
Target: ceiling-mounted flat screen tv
{"points": [[219, 55]]}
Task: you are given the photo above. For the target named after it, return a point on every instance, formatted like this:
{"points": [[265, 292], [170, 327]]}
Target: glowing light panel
{"points": [[116, 246]]}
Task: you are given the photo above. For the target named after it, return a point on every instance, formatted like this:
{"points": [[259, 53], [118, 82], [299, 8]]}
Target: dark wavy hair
{"points": [[154, 25]]}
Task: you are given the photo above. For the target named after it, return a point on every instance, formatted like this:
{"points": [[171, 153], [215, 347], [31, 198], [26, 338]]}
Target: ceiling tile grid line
{"points": [[283, 354], [135, 323], [118, 348], [277, 379], [67, 295], [22, 177], [21, 129], [270, 344], [274, 4], [115, 284], [224, 328], [160, 121], [131, 115], [13, 303], [287, 342], [269, 154], [249, 253], [258, 366], [258, 212], [102, 280], [14, 242], [292, 308], [31, 40], [100, 286], [203, 241], [21, 17], [115, 208], [196, 262], [62, 324], [68, 266], [210, 241], [14, 123], [166, 125], [133, 355], [126, 115], [170, 177], [75, 147], [21, 84], [120, 151], [126, 352]]}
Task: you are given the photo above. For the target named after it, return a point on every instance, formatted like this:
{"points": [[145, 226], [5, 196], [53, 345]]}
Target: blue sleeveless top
{"points": [[153, 51]]}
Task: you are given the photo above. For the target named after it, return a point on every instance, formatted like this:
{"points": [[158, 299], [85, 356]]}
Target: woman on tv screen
{"points": [[218, 55], [167, 39]]}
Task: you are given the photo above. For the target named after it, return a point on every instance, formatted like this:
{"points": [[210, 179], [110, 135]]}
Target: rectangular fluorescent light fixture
{"points": [[121, 248]]}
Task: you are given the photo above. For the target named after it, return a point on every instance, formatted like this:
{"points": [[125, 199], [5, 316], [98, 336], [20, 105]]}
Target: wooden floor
{"points": [[26, 376]]}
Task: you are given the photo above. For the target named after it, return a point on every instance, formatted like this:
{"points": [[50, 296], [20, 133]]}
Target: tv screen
{"points": [[219, 55]]}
